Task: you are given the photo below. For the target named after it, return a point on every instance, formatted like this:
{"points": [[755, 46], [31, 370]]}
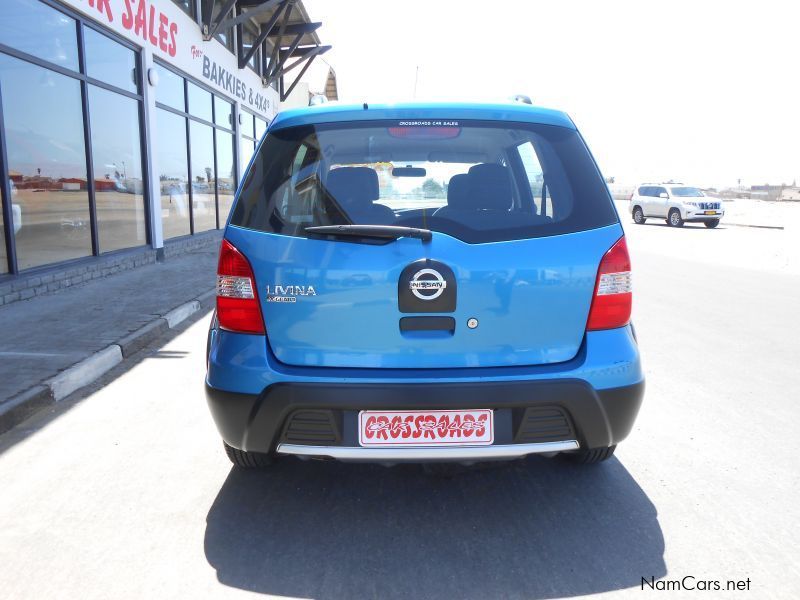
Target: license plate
{"points": [[425, 427], [710, 212]]}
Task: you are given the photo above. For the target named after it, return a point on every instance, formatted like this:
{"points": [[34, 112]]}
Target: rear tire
{"points": [[247, 460], [638, 216], [711, 224], [675, 219], [590, 456]]}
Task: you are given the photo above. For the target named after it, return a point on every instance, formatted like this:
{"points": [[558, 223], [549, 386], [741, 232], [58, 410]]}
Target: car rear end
{"points": [[415, 283]]}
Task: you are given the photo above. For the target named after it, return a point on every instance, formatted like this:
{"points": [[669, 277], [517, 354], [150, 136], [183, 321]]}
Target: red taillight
{"points": [[237, 302], [611, 305]]}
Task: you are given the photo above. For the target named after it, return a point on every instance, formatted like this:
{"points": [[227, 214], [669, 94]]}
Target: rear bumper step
{"points": [[527, 414], [461, 453]]}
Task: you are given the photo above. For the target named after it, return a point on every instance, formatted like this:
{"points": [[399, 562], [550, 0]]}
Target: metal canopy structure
{"points": [[284, 24]]}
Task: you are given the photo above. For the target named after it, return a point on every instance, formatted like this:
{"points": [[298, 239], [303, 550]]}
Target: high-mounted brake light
{"points": [[237, 304], [425, 132], [611, 305]]}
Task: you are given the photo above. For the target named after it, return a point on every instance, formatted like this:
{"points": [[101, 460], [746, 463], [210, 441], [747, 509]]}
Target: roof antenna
{"points": [[365, 106], [416, 78]]}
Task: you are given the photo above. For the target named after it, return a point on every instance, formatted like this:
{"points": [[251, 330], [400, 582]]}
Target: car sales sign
{"points": [[172, 35]]}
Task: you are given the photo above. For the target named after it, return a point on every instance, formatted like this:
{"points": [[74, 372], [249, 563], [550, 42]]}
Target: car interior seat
{"points": [[355, 189]]}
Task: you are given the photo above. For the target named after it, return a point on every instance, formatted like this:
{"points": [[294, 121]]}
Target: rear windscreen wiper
{"points": [[373, 231]]}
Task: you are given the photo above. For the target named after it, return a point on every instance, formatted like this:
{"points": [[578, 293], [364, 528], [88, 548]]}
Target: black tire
{"points": [[247, 460], [638, 216], [590, 456], [711, 224], [674, 218]]}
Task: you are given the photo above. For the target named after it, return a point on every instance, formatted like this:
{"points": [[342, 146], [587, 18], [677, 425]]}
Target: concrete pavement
{"points": [[56, 343], [123, 490]]}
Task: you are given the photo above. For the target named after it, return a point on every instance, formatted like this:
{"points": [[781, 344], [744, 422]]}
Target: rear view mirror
{"points": [[663, 195], [408, 172]]}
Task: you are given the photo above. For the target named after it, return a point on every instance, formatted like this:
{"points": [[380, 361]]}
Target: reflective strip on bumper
{"points": [[356, 454]]}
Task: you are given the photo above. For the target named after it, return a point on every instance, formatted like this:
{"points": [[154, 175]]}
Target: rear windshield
{"points": [[476, 181]]}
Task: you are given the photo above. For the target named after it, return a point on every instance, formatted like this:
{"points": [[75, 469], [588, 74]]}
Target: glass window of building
{"points": [[186, 6], [43, 122], [226, 174], [249, 142], [39, 30], [200, 103], [191, 193], [173, 174], [110, 62], [248, 148], [204, 205], [249, 127], [117, 161], [3, 254], [261, 127], [170, 89], [223, 112], [225, 36]]}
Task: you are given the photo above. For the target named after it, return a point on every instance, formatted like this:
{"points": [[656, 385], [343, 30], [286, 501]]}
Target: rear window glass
{"points": [[476, 181]]}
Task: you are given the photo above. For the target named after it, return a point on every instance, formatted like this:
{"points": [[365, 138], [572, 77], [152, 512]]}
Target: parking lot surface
{"points": [[124, 491]]}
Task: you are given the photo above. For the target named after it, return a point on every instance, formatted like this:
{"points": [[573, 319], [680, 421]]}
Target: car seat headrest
{"points": [[489, 187], [353, 185], [458, 191]]}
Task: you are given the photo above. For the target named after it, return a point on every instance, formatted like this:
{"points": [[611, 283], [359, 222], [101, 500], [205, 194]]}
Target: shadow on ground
{"points": [[532, 529], [652, 222]]}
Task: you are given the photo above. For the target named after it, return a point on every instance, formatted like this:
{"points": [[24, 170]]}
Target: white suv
{"points": [[675, 202]]}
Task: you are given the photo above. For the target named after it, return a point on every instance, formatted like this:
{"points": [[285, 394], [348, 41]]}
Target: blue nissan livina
{"points": [[423, 282]]}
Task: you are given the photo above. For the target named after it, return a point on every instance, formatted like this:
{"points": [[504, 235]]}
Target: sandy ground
{"points": [[770, 250]]}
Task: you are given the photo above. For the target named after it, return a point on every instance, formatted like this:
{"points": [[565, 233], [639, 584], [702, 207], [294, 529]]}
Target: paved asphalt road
{"points": [[125, 491]]}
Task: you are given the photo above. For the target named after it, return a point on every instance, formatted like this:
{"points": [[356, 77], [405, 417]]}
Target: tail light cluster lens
{"points": [[611, 305], [237, 302]]}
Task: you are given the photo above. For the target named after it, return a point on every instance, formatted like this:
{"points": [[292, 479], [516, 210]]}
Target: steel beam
{"points": [[265, 31], [210, 27], [307, 56], [299, 29], [303, 51], [251, 12], [274, 63], [285, 93], [292, 47]]}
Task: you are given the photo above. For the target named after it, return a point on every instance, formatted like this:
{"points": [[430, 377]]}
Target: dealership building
{"points": [[125, 125]]}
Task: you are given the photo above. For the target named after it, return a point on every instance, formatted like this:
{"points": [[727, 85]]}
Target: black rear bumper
{"points": [[256, 423]]}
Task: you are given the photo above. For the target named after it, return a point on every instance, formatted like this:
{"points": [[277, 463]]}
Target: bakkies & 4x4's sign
{"points": [[173, 36], [231, 83]]}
